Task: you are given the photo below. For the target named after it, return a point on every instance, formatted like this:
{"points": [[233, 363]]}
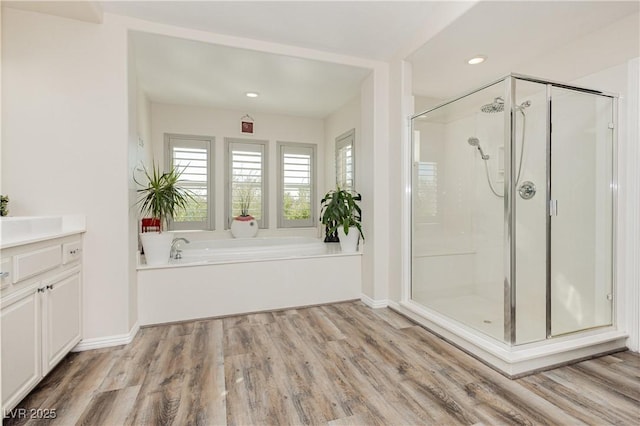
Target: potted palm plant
{"points": [[161, 198], [340, 212]]}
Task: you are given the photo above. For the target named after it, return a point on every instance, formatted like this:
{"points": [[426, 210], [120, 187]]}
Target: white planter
{"points": [[157, 247], [244, 228], [349, 242]]}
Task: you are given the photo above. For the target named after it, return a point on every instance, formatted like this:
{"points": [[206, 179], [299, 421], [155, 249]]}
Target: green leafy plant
{"points": [[4, 205], [340, 209], [162, 197], [246, 196]]}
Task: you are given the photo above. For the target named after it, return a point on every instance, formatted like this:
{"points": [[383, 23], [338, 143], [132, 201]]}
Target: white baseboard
{"points": [[373, 303], [393, 305], [108, 341]]}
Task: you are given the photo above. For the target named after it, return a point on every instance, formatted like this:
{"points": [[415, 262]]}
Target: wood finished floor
{"points": [[341, 364]]}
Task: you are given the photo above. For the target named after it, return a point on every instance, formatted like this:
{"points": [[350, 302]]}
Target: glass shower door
{"points": [[581, 211], [457, 216]]}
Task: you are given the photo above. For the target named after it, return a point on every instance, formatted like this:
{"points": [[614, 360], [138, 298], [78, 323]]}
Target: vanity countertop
{"points": [[16, 231]]}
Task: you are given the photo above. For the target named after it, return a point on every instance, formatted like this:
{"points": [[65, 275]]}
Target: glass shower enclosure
{"points": [[512, 210]]}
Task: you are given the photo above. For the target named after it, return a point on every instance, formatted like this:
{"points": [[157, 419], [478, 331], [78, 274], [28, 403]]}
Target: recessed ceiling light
{"points": [[477, 60], [251, 94]]}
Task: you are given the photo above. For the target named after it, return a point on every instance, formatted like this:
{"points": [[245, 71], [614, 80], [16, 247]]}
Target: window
{"points": [[193, 155], [247, 179], [296, 185], [345, 160], [427, 192]]}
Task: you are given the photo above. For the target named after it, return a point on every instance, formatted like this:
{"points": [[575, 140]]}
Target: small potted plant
{"points": [[4, 205], [340, 212], [161, 198], [244, 225]]}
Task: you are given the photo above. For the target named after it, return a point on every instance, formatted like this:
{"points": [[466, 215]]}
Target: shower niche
{"points": [[512, 223]]}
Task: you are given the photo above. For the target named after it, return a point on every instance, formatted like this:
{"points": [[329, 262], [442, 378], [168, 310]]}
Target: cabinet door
{"points": [[20, 321], [61, 319]]}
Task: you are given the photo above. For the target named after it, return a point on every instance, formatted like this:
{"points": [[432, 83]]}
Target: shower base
{"points": [[512, 361], [487, 315]]}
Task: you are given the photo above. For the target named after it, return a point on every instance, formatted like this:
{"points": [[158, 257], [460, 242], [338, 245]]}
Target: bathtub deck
{"points": [[339, 364]]}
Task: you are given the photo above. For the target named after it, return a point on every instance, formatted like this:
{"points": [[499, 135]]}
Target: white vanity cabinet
{"points": [[40, 310], [21, 321], [61, 317]]}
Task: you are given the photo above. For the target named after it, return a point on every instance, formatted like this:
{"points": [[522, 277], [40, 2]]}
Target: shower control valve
{"points": [[527, 190]]}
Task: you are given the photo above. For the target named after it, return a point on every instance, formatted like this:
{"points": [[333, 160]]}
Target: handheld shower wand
{"points": [[476, 142]]}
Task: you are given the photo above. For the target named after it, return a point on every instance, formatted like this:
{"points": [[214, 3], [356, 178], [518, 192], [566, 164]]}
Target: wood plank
{"points": [[204, 399], [393, 318], [73, 395], [339, 364], [131, 367], [622, 384], [161, 390], [605, 401], [110, 407], [576, 403]]}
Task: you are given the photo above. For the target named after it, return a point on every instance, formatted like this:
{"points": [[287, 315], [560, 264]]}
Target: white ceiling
{"points": [[192, 73], [367, 29], [558, 40], [83, 10], [177, 71]]}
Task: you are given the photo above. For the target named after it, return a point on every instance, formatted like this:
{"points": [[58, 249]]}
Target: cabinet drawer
{"points": [[6, 272], [29, 264], [71, 252]]}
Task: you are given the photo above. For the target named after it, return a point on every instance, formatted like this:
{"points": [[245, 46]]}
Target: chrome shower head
{"points": [[496, 106], [473, 141]]}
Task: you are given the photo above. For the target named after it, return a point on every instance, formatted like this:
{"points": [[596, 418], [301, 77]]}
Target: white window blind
{"points": [[246, 163], [297, 185], [345, 161], [192, 156], [427, 200]]}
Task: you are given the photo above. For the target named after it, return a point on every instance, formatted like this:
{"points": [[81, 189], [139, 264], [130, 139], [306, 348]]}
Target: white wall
{"points": [[64, 114], [221, 123], [336, 124], [373, 178], [133, 146], [67, 146], [623, 79], [139, 151]]}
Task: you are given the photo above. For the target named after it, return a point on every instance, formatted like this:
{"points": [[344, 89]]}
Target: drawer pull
{"points": [[41, 290], [50, 287]]}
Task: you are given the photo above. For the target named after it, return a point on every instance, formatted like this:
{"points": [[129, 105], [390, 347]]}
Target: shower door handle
{"points": [[553, 207]]}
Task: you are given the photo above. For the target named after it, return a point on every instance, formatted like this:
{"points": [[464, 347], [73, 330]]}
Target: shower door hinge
{"points": [[611, 126], [553, 207]]}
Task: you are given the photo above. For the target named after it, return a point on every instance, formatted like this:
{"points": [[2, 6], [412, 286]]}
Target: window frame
{"points": [[297, 223], [263, 223], [209, 142], [342, 141]]}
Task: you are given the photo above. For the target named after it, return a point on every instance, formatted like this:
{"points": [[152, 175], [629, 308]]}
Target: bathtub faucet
{"points": [[177, 253]]}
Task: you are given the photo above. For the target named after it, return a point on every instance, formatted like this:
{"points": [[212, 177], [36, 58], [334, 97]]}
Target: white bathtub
{"points": [[227, 277], [210, 251]]}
